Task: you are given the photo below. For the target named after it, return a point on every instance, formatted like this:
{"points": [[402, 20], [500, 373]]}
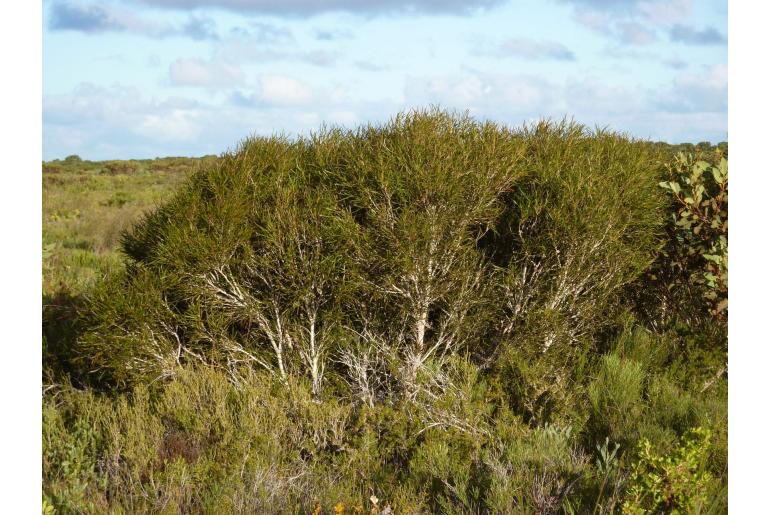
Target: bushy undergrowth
{"points": [[198, 444], [432, 315]]}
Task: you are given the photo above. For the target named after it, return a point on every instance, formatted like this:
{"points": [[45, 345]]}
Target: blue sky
{"points": [[148, 78]]}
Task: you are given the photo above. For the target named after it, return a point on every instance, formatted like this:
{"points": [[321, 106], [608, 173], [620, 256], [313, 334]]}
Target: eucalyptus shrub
{"points": [[687, 285], [364, 261], [699, 191]]}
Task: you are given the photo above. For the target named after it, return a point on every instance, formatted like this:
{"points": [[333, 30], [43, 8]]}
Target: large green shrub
{"points": [[579, 226], [362, 260]]}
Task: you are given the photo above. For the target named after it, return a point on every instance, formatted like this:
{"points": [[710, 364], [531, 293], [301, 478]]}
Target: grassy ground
{"points": [[86, 206]]}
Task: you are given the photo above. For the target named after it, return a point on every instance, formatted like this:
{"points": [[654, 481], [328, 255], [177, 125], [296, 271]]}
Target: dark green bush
{"points": [[368, 256]]}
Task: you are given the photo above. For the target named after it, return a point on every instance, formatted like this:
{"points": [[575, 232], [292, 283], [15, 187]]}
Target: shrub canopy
{"points": [[363, 260]]}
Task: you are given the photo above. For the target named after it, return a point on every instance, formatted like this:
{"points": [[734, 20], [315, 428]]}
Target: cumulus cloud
{"points": [[630, 22], [625, 54], [529, 49], [280, 90], [491, 95], [119, 122], [200, 28], [207, 74], [114, 122], [97, 18], [692, 36], [90, 18], [275, 91], [307, 8], [691, 108], [696, 92], [624, 30], [174, 125], [264, 42], [664, 12], [513, 98], [655, 11]]}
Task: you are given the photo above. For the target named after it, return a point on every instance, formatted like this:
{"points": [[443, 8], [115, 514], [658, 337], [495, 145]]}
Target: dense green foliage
{"points": [[689, 279], [699, 190], [433, 315], [672, 484]]}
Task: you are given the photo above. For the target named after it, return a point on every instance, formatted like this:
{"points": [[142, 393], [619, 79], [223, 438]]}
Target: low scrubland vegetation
{"points": [[433, 315]]}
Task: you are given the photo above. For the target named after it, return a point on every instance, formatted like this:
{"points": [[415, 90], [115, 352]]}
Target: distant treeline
{"points": [[74, 163]]}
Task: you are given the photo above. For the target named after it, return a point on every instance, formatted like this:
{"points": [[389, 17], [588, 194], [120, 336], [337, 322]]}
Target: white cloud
{"points": [[630, 22], [697, 92], [664, 12], [208, 74], [657, 12], [175, 125], [670, 113], [95, 18], [307, 8], [468, 90], [693, 36], [284, 91], [119, 122], [501, 96], [523, 48]]}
